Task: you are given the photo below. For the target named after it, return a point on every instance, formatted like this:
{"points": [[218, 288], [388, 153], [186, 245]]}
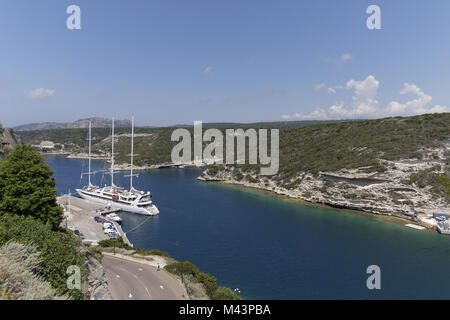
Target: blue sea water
{"points": [[271, 247]]}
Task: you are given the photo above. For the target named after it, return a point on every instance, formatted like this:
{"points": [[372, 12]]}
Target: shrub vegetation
{"points": [[58, 249]]}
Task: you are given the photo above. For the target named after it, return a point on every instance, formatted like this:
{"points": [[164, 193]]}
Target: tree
{"points": [[223, 293], [27, 187]]}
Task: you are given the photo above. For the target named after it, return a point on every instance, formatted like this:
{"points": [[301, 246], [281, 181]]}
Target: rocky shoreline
{"points": [[384, 193]]}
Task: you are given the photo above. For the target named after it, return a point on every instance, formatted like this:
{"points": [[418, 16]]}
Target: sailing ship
{"points": [[132, 200]]}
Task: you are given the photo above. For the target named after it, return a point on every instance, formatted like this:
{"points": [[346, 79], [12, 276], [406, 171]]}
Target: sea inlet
{"points": [[271, 247]]}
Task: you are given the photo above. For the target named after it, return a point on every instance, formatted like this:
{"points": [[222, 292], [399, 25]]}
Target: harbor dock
{"points": [[79, 214]]}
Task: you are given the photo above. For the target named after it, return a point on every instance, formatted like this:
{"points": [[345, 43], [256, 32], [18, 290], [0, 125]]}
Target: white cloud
{"points": [[319, 87], [365, 104], [439, 109], [340, 60], [339, 110], [317, 114], [208, 69], [365, 96], [415, 106], [345, 57], [40, 93]]}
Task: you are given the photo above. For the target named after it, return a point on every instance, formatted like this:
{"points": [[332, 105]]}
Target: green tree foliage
{"points": [[187, 268], [58, 250], [108, 243], [356, 144], [438, 177], [224, 293], [209, 282], [442, 186], [27, 187]]}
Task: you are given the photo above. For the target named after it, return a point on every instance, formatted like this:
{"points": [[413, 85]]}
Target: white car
{"points": [[108, 225], [109, 231], [113, 235], [114, 217]]}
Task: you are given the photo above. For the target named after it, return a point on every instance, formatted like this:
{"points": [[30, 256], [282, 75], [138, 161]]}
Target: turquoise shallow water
{"points": [[275, 248]]}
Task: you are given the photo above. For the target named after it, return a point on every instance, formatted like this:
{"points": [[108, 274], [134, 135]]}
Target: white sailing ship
{"points": [[132, 200]]}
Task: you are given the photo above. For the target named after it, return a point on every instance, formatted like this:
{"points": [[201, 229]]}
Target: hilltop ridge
{"points": [[97, 122]]}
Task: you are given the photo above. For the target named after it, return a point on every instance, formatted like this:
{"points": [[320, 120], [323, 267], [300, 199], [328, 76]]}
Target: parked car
{"points": [[99, 219], [108, 225], [113, 235], [81, 236], [76, 232], [110, 231]]}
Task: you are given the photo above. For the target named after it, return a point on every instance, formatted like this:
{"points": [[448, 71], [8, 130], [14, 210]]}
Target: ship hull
{"points": [[123, 207]]}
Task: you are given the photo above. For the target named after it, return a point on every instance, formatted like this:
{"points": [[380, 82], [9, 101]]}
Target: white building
{"points": [[46, 145]]}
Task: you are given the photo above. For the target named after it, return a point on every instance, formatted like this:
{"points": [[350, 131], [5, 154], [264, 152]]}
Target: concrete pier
{"points": [[80, 215], [82, 205], [122, 234]]}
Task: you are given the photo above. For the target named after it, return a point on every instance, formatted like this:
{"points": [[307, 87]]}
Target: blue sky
{"points": [[169, 62]]}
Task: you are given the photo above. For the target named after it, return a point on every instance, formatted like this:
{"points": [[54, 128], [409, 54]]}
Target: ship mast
{"points": [[89, 174], [112, 154], [132, 150]]}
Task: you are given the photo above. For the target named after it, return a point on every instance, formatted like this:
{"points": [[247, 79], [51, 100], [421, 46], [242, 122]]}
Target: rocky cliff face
{"points": [[96, 285], [7, 141], [387, 192]]}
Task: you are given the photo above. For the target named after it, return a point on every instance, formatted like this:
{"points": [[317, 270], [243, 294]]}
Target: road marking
{"points": [[117, 276], [147, 291], [162, 288], [140, 269]]}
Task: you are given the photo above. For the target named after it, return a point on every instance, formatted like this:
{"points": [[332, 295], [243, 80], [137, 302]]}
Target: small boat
{"points": [[114, 217]]}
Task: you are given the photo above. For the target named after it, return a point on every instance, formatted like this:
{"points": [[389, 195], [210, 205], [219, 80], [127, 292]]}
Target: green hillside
{"points": [[310, 147], [331, 147], [304, 146]]}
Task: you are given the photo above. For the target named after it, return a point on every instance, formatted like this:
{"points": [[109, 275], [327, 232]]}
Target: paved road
{"points": [[129, 280]]}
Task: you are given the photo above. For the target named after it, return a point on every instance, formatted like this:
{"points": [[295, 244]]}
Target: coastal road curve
{"points": [[129, 280]]}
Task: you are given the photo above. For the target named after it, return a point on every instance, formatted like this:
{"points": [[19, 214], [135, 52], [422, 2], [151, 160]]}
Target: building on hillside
{"points": [[46, 145]]}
